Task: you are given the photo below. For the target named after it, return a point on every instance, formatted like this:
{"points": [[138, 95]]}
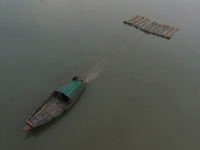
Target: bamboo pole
{"points": [[167, 31], [150, 26], [140, 21], [155, 27], [134, 17], [136, 20], [130, 19], [162, 29], [146, 25], [156, 30], [171, 32], [143, 23]]}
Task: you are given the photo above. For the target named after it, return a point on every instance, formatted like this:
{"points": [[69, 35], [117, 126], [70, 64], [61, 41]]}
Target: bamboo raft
{"points": [[151, 27]]}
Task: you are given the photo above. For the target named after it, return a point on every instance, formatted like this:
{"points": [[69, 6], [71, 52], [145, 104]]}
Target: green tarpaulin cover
{"points": [[72, 88]]}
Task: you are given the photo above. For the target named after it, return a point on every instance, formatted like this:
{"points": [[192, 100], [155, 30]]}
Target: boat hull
{"points": [[56, 104]]}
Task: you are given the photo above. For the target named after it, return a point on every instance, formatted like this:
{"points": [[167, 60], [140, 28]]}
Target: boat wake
{"points": [[94, 72], [92, 75]]}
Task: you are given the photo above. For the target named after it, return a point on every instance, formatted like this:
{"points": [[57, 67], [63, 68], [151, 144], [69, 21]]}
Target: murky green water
{"points": [[144, 97]]}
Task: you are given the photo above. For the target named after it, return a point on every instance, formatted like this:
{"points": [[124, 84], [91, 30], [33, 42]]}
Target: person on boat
{"points": [[75, 78]]}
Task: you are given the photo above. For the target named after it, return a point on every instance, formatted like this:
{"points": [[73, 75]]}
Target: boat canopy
{"points": [[72, 89]]}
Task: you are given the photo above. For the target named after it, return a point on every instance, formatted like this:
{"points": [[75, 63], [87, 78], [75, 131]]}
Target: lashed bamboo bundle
{"points": [[153, 27]]}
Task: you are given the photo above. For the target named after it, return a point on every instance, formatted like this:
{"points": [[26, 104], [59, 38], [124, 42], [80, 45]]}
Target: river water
{"points": [[144, 95]]}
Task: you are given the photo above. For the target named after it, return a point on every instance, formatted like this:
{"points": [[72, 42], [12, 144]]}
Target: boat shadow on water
{"points": [[39, 130]]}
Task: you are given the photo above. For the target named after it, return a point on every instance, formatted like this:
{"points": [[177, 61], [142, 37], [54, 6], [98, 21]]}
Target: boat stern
{"points": [[84, 80]]}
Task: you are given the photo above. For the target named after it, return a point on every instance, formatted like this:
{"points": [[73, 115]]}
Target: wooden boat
{"points": [[56, 104]]}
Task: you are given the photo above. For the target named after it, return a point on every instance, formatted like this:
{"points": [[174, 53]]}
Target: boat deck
{"points": [[51, 109]]}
